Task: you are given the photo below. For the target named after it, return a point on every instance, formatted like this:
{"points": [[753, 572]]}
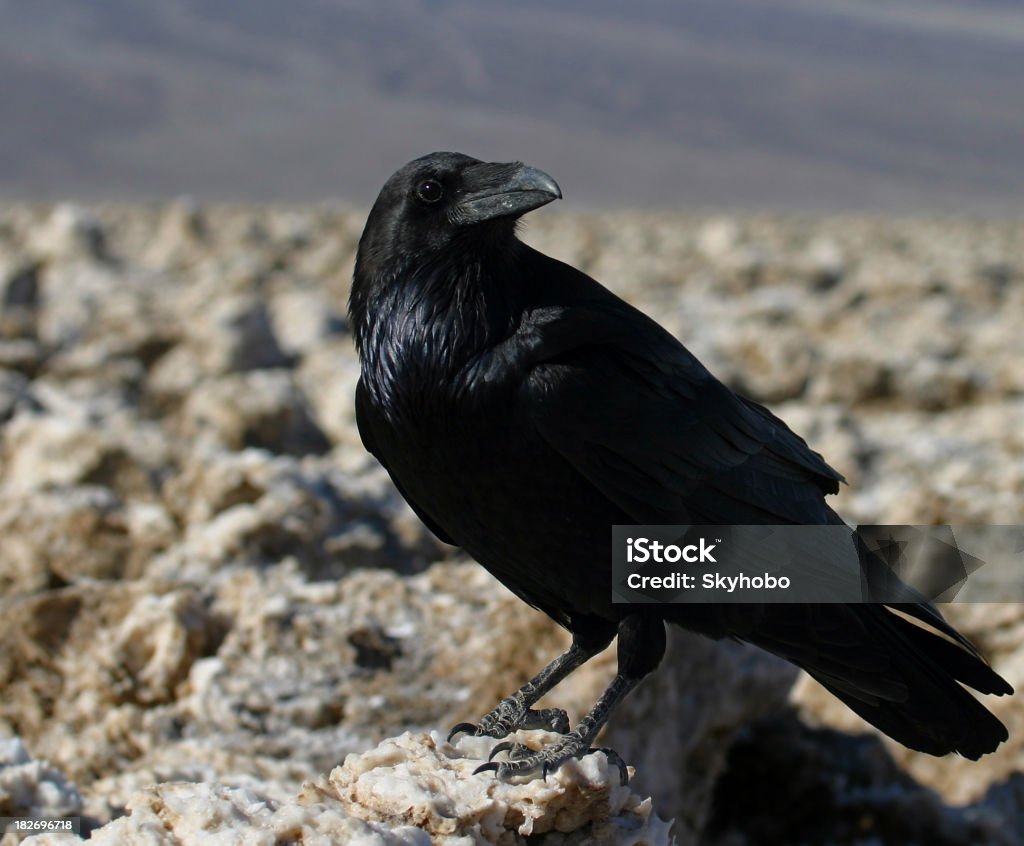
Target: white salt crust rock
{"points": [[414, 789]]}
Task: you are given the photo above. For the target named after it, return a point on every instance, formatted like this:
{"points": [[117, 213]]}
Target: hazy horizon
{"points": [[839, 105]]}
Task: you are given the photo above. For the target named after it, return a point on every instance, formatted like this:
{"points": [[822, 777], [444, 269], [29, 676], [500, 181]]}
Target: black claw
{"points": [[461, 728], [490, 766], [615, 759], [504, 746]]}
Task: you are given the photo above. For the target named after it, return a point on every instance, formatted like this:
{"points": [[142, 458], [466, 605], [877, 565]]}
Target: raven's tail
{"points": [[898, 667]]}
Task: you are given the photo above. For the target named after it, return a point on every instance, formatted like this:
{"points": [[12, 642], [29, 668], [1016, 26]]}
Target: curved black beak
{"points": [[491, 191]]}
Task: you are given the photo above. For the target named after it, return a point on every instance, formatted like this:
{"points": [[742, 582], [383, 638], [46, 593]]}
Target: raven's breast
{"points": [[519, 508]]}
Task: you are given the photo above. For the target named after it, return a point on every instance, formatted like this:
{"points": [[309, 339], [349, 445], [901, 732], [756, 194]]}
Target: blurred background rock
{"points": [[207, 579]]}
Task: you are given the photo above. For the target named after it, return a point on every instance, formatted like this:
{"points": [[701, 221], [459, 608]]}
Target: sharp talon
{"points": [[615, 759], [544, 772], [461, 728], [504, 746], [490, 766]]}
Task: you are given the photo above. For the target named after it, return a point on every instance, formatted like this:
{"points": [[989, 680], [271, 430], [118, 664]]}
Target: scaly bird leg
{"points": [[516, 712], [641, 647]]}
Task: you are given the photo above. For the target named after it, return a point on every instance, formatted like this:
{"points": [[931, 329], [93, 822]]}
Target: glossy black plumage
{"points": [[522, 409]]}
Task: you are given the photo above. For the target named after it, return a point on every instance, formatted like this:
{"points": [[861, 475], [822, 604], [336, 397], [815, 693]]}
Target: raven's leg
{"points": [[641, 647], [515, 711]]}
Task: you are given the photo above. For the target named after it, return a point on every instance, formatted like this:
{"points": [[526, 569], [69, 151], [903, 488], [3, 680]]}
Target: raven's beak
{"points": [[491, 191]]}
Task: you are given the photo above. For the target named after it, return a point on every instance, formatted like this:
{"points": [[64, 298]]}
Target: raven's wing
{"points": [[364, 422], [644, 422], [640, 418]]}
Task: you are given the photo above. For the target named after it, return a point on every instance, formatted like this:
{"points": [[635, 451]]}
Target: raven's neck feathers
{"points": [[418, 321]]}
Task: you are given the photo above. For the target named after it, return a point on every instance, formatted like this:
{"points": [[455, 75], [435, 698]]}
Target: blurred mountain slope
{"points": [[841, 104]]}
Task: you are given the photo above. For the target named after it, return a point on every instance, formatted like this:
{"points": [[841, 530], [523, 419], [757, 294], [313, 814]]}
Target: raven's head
{"points": [[436, 223], [433, 201]]}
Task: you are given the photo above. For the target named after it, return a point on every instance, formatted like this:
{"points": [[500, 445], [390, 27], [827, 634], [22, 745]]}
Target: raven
{"points": [[522, 409]]}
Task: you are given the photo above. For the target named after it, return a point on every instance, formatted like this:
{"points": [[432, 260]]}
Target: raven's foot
{"points": [[516, 751], [511, 715], [523, 761]]}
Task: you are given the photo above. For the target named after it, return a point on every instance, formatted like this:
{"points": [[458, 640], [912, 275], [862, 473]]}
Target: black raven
{"points": [[522, 409]]}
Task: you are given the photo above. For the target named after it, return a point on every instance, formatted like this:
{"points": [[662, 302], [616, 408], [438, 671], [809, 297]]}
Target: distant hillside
{"points": [[836, 104]]}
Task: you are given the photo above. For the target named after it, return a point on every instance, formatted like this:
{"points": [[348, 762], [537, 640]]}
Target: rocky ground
{"points": [[211, 595]]}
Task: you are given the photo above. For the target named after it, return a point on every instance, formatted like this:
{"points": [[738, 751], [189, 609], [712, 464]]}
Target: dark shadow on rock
{"points": [[787, 783]]}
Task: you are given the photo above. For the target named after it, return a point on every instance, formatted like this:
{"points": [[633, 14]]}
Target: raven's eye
{"points": [[430, 191]]}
